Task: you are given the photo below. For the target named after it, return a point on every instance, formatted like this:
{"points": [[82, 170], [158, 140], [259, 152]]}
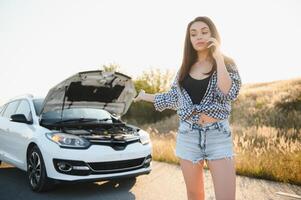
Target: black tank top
{"points": [[196, 88]]}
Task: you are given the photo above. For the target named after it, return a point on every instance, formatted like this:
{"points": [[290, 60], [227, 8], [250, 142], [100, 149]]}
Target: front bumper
{"points": [[97, 162]]}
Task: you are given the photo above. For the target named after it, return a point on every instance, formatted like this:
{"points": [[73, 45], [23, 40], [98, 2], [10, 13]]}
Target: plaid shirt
{"points": [[215, 103]]}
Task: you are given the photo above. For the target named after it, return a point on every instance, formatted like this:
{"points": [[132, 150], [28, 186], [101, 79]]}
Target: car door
{"points": [[5, 126], [20, 133]]}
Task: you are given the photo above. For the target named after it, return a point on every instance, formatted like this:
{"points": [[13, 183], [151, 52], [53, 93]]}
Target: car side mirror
{"points": [[20, 118]]}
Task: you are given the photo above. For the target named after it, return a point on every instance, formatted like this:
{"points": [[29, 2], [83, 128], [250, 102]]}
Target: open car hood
{"points": [[111, 91]]}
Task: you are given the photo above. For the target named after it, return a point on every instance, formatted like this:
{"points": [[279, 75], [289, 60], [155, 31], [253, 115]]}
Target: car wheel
{"points": [[36, 171]]}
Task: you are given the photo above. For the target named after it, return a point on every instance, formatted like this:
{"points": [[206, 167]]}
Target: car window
{"points": [[10, 109], [24, 108], [2, 109]]}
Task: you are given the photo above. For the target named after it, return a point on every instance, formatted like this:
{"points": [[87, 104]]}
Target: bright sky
{"points": [[43, 42]]}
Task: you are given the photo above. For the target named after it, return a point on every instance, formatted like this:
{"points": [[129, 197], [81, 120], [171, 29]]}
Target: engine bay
{"points": [[120, 132]]}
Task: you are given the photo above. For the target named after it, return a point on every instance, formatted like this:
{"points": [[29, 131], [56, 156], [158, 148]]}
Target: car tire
{"points": [[36, 171]]}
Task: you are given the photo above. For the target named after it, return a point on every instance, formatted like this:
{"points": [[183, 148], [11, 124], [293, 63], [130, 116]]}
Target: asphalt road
{"points": [[165, 182]]}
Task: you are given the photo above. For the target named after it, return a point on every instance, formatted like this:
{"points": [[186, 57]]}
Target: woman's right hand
{"points": [[139, 96]]}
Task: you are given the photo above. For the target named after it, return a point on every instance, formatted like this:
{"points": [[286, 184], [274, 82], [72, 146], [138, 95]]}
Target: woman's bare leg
{"points": [[194, 179], [224, 178]]}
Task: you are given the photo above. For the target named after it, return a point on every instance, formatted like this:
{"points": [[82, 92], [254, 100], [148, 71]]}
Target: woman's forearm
{"points": [[148, 97], [223, 78]]}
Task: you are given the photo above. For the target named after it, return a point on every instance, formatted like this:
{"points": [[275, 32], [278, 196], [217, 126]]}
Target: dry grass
{"points": [[276, 104], [268, 153]]}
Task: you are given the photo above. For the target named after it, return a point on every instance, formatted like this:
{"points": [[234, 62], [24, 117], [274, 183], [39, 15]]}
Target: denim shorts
{"points": [[209, 142]]}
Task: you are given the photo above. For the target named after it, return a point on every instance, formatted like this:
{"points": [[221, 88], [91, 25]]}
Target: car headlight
{"points": [[67, 140], [144, 137]]}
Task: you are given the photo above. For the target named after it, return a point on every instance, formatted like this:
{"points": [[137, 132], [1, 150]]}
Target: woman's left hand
{"points": [[216, 53]]}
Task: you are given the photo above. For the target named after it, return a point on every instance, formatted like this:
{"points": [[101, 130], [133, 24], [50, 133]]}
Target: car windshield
{"points": [[78, 113], [38, 105]]}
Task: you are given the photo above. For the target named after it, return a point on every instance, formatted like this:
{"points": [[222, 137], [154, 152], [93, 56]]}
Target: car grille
{"points": [[116, 166], [115, 144]]}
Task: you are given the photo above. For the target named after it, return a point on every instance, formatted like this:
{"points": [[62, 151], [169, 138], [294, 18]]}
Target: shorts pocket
{"points": [[184, 128], [183, 131], [226, 129]]}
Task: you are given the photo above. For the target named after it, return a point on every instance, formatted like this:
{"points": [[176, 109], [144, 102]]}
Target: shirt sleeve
{"points": [[167, 100], [234, 89]]}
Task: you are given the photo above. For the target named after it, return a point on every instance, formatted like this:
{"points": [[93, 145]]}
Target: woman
{"points": [[201, 93]]}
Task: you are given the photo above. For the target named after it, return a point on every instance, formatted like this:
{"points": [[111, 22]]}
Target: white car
{"points": [[75, 133]]}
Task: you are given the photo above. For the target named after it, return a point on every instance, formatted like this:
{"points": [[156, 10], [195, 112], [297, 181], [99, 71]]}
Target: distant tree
{"points": [[111, 67], [154, 80]]}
